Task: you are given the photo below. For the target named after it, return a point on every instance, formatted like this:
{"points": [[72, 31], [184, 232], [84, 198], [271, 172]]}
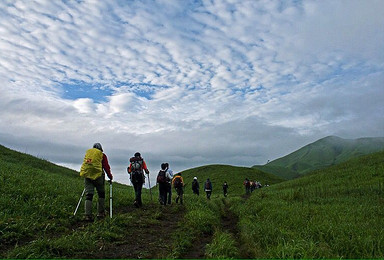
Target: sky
{"points": [[191, 83]]}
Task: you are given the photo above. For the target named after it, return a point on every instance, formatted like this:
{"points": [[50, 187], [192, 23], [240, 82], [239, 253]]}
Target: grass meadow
{"points": [[332, 213]]}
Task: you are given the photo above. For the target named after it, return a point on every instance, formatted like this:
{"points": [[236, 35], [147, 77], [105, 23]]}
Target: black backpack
{"points": [[161, 178], [177, 183]]}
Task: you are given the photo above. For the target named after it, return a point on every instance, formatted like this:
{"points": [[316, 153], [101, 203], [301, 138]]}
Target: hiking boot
{"points": [[101, 215], [88, 218]]}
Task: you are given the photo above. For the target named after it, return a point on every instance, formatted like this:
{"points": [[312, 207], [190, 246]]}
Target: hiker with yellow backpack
{"points": [[93, 169]]}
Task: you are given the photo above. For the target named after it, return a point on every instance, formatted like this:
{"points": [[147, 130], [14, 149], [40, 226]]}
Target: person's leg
{"points": [[169, 191], [181, 195], [139, 189], [136, 187], [100, 188], [89, 191]]}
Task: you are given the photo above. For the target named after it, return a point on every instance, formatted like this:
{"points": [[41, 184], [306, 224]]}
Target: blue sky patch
{"points": [[78, 89]]}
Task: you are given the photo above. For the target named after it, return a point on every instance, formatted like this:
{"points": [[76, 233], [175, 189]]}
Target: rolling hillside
{"points": [[325, 152], [332, 213]]}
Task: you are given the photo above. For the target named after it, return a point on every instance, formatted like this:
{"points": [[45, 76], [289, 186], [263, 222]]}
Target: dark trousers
{"points": [[179, 192], [163, 188], [169, 193], [196, 191], [209, 192], [138, 186]]}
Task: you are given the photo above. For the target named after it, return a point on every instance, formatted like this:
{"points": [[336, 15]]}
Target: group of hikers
{"points": [[95, 166], [251, 185]]}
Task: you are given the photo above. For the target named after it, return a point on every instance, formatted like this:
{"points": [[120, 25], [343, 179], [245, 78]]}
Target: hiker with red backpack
{"points": [[208, 188], [93, 169], [163, 178], [247, 185], [136, 170], [178, 184]]}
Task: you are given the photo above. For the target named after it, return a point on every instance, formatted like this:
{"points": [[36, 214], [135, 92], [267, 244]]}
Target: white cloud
{"points": [[211, 82]]}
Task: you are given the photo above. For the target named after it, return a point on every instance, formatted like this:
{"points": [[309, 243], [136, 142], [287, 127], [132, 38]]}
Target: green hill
{"points": [[331, 213], [325, 152], [233, 175], [335, 212]]}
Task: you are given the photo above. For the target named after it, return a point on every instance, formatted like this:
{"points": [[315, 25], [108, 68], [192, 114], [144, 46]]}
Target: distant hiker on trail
{"points": [[247, 185], [208, 188], [93, 169], [178, 184], [195, 186], [169, 184], [163, 179], [253, 185], [225, 189], [136, 170]]}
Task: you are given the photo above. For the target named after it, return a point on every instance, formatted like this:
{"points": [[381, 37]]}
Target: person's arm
{"points": [[145, 167], [106, 167]]}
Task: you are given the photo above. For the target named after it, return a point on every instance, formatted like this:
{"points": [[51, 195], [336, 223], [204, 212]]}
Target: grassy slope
{"points": [[37, 203], [325, 152], [332, 213]]}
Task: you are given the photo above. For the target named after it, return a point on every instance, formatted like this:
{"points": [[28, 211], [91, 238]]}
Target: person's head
{"points": [[166, 165], [195, 178], [138, 155], [98, 146], [163, 166]]}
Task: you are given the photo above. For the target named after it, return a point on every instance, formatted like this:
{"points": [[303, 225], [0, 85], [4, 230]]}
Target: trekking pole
{"points": [[110, 198], [149, 183], [78, 204]]}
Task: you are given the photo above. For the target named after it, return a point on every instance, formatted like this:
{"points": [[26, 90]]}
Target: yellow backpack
{"points": [[92, 167]]}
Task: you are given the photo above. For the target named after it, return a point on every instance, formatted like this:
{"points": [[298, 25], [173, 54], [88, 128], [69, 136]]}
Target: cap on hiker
{"points": [[98, 146], [195, 178]]}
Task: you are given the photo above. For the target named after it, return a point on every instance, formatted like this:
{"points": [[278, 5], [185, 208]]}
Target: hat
{"points": [[195, 178], [98, 146]]}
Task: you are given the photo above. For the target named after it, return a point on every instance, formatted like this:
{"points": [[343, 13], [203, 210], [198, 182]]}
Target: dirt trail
{"points": [[198, 249], [228, 223], [144, 239]]}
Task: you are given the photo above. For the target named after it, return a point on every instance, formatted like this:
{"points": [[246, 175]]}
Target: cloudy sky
{"points": [[188, 82]]}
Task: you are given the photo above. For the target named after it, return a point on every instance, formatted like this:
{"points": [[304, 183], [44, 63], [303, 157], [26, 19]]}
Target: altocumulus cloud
{"points": [[188, 82]]}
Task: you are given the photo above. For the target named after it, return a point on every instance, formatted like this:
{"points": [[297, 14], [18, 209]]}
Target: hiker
{"points": [[247, 185], [169, 184], [93, 169], [195, 186], [208, 188], [253, 185], [162, 179], [225, 189], [178, 184], [136, 170]]}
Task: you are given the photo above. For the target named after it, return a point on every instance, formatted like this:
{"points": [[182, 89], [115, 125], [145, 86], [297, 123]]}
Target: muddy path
{"points": [[146, 234]]}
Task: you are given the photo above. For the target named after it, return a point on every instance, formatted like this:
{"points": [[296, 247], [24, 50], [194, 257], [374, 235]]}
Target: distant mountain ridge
{"points": [[330, 150]]}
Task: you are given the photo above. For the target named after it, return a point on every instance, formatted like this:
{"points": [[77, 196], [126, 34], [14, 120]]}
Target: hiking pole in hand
{"points": [[78, 204], [110, 198], [149, 183]]}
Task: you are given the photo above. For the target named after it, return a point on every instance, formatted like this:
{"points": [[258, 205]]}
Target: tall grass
{"points": [[335, 213]]}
